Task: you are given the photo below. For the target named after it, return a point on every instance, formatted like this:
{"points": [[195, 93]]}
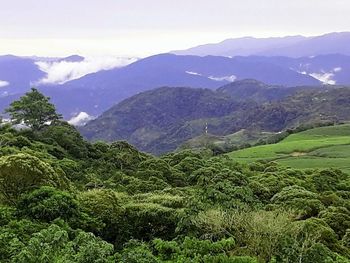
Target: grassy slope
{"points": [[316, 148]]}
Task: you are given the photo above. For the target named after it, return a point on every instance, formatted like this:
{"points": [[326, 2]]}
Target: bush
{"points": [[20, 173], [47, 204]]}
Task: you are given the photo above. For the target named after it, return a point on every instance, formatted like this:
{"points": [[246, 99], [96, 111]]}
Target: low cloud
{"points": [[231, 78], [81, 119], [64, 71], [323, 76], [193, 73], [4, 83], [326, 77]]}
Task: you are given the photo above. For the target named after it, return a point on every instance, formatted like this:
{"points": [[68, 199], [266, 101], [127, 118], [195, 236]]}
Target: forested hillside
{"points": [[160, 120], [64, 199]]}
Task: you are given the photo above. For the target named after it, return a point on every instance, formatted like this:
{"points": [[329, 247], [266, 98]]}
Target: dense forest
{"points": [[64, 199]]}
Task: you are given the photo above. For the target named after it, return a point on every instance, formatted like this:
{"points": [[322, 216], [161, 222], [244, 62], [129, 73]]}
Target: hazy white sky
{"points": [[144, 27]]}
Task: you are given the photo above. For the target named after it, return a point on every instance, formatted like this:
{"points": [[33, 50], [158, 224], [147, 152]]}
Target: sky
{"points": [[138, 28]]}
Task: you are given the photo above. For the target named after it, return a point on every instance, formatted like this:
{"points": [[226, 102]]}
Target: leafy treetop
{"points": [[34, 109]]}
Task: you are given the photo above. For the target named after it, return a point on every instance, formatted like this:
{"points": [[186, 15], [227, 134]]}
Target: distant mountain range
{"points": [[77, 93], [96, 92], [160, 120], [291, 46]]}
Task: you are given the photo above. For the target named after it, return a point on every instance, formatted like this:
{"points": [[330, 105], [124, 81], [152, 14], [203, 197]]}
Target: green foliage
{"points": [[305, 203], [189, 250], [34, 109], [54, 245], [67, 200], [258, 233], [323, 147], [47, 204], [149, 220], [21, 173], [67, 137], [105, 209]]}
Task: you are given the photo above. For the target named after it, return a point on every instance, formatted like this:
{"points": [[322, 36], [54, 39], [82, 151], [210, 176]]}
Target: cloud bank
{"points": [[64, 71], [4, 83]]}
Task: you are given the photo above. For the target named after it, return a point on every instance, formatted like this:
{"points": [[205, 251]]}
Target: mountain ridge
{"points": [[289, 46], [159, 120]]}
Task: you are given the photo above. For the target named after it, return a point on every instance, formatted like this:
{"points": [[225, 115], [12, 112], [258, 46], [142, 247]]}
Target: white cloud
{"points": [[4, 83], [193, 73], [81, 119], [231, 78], [325, 77], [63, 71]]}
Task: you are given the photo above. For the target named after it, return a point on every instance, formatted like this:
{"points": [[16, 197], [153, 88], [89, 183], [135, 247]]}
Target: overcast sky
{"points": [[145, 27]]}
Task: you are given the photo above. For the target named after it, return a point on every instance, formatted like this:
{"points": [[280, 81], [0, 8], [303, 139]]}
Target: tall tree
{"points": [[34, 109]]}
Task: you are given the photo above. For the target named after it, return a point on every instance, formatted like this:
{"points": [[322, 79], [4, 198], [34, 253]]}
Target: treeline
{"points": [[67, 200]]}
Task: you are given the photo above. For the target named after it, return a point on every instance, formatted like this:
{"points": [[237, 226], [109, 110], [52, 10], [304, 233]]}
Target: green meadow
{"points": [[322, 147]]}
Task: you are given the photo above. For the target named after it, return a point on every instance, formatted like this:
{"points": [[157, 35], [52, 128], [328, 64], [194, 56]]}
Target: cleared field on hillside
{"points": [[322, 147]]}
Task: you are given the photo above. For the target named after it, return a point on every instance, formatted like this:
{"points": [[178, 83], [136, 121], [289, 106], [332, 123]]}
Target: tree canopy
{"points": [[33, 109], [63, 199]]}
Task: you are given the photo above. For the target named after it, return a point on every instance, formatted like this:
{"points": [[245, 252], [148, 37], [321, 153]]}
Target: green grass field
{"points": [[322, 147]]}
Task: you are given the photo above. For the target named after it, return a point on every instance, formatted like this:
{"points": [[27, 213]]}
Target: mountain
{"points": [[329, 69], [291, 46], [160, 120], [153, 115], [95, 93], [251, 89], [245, 46], [17, 74], [332, 43]]}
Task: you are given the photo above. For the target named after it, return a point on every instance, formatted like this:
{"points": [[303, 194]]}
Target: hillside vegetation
{"points": [[63, 199], [321, 147], [220, 144], [160, 120]]}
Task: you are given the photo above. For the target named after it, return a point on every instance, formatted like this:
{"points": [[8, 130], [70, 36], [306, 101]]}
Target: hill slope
{"points": [[324, 147], [160, 120]]}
